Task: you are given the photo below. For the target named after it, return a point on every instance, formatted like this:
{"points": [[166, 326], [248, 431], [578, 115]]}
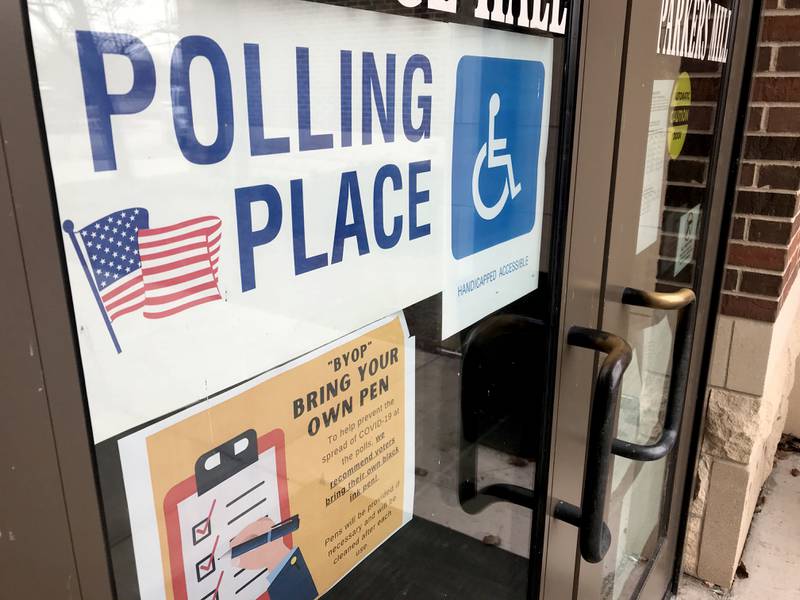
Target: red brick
{"points": [[781, 28], [731, 279], [747, 174], [780, 177], [705, 89], [669, 245], [684, 196], [693, 66], [786, 3], [788, 58], [775, 89], [687, 171], [667, 287], [763, 59], [666, 272], [754, 118], [737, 230], [697, 144], [762, 284], [789, 281], [768, 204], [784, 119], [701, 118], [769, 232], [794, 243], [772, 147], [757, 257], [758, 309]]}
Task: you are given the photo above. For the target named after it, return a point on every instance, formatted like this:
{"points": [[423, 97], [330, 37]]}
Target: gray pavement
{"points": [[772, 551]]}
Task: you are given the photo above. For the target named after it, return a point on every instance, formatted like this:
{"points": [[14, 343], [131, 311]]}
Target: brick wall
{"points": [[687, 175], [763, 254]]}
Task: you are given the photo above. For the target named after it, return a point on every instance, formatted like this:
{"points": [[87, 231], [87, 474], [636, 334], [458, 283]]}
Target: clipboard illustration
{"points": [[237, 486]]}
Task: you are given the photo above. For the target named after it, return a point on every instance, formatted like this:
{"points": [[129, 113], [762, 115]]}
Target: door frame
{"points": [[738, 75], [744, 52], [601, 54], [33, 199], [604, 46]]}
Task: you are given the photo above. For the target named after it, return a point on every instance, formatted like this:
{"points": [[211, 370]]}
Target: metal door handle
{"points": [[595, 537], [684, 302]]}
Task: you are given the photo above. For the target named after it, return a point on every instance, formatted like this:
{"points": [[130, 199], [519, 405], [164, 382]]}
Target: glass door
{"points": [[316, 258], [670, 143]]}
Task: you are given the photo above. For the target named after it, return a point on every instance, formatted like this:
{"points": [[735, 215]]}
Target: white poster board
{"points": [[241, 184]]}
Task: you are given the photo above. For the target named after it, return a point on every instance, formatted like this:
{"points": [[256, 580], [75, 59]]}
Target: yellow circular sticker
{"points": [[679, 114]]}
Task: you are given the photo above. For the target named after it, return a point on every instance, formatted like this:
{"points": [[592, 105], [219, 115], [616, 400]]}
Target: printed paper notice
{"points": [[281, 486], [655, 160], [687, 236]]}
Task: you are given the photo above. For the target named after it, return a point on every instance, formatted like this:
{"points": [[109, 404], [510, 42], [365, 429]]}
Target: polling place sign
{"points": [[240, 184]]}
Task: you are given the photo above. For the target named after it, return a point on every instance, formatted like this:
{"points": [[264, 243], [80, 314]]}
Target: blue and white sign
{"points": [[499, 144], [240, 184], [497, 130]]}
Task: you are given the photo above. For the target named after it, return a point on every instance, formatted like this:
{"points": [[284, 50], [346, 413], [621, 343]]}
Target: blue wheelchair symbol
{"points": [[496, 139]]}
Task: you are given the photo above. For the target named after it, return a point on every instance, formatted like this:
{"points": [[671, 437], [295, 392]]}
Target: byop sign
{"points": [[496, 132]]}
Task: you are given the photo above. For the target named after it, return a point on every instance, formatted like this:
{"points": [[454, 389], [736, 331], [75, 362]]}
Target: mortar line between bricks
{"points": [[775, 44], [745, 269], [769, 218], [760, 245], [768, 190], [773, 135], [768, 161], [780, 12], [749, 296], [776, 75]]}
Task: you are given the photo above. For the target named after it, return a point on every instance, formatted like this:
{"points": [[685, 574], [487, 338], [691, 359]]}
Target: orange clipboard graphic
{"points": [[217, 470]]}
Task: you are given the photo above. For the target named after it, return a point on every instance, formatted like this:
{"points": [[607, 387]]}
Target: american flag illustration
{"points": [[158, 272]]}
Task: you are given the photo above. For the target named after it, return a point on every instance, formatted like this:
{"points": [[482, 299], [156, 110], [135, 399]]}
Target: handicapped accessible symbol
{"points": [[489, 152]]}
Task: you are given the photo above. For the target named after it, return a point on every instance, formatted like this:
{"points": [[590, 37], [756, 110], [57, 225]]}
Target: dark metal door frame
{"points": [[588, 577], [62, 469]]}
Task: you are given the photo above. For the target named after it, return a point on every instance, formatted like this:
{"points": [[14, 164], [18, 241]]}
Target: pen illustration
{"points": [[229, 526]]}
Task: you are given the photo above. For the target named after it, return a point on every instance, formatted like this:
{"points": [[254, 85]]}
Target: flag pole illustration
{"points": [[69, 227], [156, 272]]}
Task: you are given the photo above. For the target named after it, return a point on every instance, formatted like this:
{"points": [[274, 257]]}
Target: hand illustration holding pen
{"points": [[261, 546], [262, 553]]}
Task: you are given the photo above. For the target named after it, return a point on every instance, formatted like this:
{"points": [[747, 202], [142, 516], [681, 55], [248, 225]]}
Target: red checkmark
{"points": [[202, 528], [209, 562], [219, 582]]}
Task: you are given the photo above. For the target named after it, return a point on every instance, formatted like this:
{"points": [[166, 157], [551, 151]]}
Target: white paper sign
{"points": [[240, 184], [655, 160], [687, 237]]}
